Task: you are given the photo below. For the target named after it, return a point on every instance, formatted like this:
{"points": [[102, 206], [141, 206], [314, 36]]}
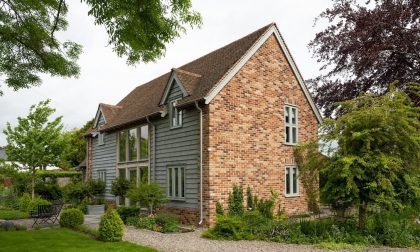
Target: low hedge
{"points": [[58, 174]]}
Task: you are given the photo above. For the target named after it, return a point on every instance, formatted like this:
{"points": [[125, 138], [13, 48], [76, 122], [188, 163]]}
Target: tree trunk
{"points": [[362, 215], [33, 183]]}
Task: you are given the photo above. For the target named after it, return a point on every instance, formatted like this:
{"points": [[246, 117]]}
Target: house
{"points": [[229, 117]]}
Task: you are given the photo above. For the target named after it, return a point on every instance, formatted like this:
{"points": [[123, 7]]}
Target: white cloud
{"points": [[106, 78]]}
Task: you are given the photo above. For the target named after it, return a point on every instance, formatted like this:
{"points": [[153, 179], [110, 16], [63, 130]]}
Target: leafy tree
{"points": [[138, 30], [376, 161], [149, 195], [365, 46], [75, 146], [35, 142], [120, 187]]}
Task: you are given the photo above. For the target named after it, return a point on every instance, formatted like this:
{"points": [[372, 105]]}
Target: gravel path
{"points": [[193, 241]]}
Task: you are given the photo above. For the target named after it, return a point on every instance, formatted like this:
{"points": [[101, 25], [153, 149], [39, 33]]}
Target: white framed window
{"points": [[102, 175], [101, 139], [176, 182], [175, 115], [291, 181], [291, 122]]}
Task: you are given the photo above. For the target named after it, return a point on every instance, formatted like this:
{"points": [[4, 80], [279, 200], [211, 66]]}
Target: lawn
{"points": [[6, 214], [59, 239]]}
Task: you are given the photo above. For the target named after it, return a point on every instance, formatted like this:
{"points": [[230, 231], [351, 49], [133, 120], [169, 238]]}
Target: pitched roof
{"points": [[198, 78]]}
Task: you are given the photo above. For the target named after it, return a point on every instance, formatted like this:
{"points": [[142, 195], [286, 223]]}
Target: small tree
{"points": [[94, 188], [376, 160], [236, 201], [119, 187], [35, 142], [149, 195]]}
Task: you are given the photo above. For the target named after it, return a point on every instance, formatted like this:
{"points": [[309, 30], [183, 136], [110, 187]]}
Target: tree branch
{"points": [[57, 17]]}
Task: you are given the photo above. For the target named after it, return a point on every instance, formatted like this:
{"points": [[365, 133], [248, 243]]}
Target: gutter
{"points": [[201, 162], [154, 150]]}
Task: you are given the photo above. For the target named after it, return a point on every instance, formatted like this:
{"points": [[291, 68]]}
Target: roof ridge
{"points": [[187, 72]]}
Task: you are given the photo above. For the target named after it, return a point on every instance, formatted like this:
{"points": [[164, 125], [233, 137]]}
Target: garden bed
{"points": [[10, 214]]}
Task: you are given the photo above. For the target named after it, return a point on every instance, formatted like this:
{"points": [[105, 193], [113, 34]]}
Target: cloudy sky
{"points": [[106, 78]]}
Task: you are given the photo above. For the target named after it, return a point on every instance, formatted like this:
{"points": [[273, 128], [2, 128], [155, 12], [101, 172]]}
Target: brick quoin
{"points": [[244, 132]]}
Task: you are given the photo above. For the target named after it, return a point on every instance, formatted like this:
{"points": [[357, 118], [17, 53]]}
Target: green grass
{"points": [[6, 214], [59, 239]]}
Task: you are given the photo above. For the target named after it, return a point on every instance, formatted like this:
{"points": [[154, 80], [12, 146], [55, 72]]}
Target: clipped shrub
{"points": [[144, 222], [126, 212], [236, 201], [24, 202], [167, 222], [71, 218], [219, 209], [111, 227]]}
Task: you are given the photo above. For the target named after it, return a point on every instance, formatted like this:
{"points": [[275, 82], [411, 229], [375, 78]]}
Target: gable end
{"points": [[173, 80], [235, 69]]}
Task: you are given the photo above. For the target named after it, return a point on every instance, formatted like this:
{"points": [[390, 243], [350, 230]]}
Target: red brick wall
{"points": [[244, 131], [188, 216], [89, 158]]}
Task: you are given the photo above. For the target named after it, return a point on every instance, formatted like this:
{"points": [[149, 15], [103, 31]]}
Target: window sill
{"points": [[291, 144], [175, 127], [132, 162], [177, 199], [292, 195]]}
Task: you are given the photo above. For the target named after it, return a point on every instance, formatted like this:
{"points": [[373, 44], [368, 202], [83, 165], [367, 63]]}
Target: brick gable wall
{"points": [[244, 131]]}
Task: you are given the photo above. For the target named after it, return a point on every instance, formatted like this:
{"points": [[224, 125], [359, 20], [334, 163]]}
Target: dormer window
{"points": [[175, 115]]}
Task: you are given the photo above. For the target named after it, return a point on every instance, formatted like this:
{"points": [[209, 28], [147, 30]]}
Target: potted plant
{"points": [[95, 200]]}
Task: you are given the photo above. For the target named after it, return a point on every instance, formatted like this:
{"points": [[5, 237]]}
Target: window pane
{"points": [[170, 182], [182, 182], [179, 122], [293, 115], [176, 183], [133, 176], [287, 115], [287, 134], [294, 180], [287, 180], [122, 149], [294, 137], [132, 144], [144, 142], [144, 175], [173, 113], [121, 173]]}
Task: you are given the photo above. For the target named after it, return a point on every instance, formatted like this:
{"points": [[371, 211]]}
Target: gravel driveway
{"points": [[192, 241]]}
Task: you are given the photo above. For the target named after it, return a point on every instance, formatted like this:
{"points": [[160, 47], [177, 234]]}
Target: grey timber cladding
{"points": [[178, 147], [104, 158]]}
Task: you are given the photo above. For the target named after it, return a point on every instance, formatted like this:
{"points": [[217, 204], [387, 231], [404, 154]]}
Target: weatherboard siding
{"points": [[178, 147], [104, 158]]}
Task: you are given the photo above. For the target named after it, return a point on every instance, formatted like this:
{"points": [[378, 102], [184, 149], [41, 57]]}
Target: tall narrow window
{"points": [[132, 144], [102, 175], [291, 180], [122, 146], [176, 182], [144, 142], [175, 115], [101, 140], [291, 124]]}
